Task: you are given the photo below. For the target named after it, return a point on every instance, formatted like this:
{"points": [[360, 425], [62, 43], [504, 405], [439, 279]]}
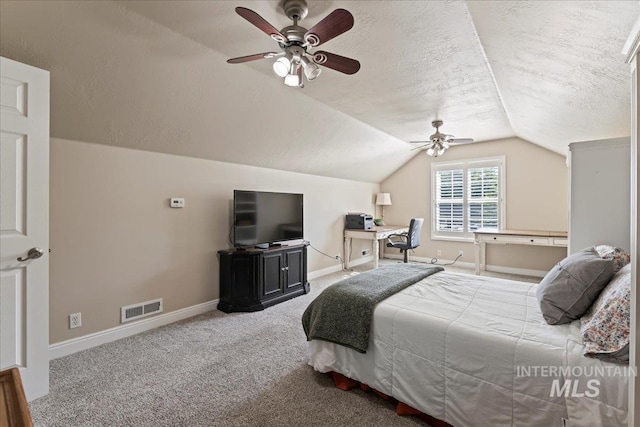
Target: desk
{"points": [[376, 234], [514, 237]]}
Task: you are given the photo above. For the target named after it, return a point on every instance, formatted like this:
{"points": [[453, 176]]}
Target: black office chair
{"points": [[408, 240]]}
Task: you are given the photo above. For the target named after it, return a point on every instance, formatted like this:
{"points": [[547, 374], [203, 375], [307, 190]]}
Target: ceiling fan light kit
{"points": [[439, 142], [296, 41]]}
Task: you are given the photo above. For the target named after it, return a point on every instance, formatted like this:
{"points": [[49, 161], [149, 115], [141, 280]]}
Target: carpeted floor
{"points": [[216, 369]]}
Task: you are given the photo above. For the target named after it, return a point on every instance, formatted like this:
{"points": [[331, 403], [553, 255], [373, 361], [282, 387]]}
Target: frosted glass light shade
{"points": [[292, 80], [281, 66], [311, 70]]}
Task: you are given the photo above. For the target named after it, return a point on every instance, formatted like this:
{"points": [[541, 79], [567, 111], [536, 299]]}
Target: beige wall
{"points": [[537, 199], [116, 242]]}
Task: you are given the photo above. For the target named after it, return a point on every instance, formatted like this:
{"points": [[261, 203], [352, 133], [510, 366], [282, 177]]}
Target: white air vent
{"points": [[136, 311]]}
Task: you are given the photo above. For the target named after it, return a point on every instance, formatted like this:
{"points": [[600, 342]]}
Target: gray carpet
{"points": [[216, 369]]}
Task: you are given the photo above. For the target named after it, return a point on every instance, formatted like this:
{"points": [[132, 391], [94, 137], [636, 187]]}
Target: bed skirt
{"points": [[346, 383]]}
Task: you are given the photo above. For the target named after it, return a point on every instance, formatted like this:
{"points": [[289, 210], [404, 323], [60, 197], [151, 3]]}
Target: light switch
{"points": [[177, 202]]}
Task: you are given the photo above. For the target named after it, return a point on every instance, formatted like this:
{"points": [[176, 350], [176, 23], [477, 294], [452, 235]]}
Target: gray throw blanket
{"points": [[342, 313]]}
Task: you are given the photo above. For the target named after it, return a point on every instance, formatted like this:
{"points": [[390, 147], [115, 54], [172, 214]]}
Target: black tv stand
{"points": [[254, 279]]}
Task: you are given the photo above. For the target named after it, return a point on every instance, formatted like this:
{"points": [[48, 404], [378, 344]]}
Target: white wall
{"points": [[115, 241]]}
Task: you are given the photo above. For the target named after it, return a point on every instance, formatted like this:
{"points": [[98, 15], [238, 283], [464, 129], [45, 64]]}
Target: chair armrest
{"points": [[402, 238]]}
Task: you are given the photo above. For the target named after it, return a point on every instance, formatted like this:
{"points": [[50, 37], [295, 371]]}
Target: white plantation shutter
{"points": [[450, 200], [483, 197], [468, 195]]}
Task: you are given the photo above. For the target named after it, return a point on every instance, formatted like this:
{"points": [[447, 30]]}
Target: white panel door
{"points": [[24, 224]]}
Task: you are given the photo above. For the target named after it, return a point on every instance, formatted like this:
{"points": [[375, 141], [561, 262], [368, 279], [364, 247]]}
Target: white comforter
{"points": [[456, 347]]}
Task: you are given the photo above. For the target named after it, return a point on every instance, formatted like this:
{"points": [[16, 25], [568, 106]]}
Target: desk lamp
{"points": [[382, 200]]}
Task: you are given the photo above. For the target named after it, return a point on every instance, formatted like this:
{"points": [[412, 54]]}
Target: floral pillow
{"points": [[605, 327], [619, 256]]}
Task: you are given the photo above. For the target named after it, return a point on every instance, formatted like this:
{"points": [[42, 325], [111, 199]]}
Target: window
{"points": [[467, 195]]}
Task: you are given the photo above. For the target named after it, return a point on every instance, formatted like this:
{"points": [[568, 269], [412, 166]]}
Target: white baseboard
{"points": [[74, 345], [323, 272], [472, 266], [333, 269]]}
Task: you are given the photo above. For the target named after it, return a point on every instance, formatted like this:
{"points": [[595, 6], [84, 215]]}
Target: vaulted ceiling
{"points": [[153, 75]]}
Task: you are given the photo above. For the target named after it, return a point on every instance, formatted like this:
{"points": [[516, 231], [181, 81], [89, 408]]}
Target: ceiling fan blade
{"points": [[255, 57], [334, 24], [460, 141], [422, 146], [336, 62], [261, 23]]}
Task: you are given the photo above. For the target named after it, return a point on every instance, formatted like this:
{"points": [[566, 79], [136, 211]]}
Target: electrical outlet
{"points": [[366, 252], [337, 256], [461, 253], [75, 320], [439, 252]]}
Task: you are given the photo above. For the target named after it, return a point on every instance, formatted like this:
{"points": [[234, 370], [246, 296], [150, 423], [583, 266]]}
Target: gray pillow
{"points": [[569, 289]]}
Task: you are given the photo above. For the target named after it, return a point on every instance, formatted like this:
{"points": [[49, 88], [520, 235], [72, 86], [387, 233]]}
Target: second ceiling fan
{"points": [[295, 58], [440, 142]]}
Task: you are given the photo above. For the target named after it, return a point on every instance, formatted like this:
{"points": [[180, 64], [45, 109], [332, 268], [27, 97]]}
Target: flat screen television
{"points": [[263, 218]]}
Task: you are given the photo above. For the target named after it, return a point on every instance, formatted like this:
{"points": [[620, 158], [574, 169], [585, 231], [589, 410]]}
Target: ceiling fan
{"points": [[439, 142], [296, 41]]}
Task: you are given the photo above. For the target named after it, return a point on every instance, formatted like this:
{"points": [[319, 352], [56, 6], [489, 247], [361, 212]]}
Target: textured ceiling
{"points": [[410, 72], [152, 75], [559, 67]]}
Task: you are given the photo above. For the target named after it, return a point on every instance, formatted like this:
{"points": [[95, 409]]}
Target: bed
{"points": [[476, 351]]}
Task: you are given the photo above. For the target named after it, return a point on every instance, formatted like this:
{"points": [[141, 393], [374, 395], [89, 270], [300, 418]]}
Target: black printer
{"points": [[359, 221]]}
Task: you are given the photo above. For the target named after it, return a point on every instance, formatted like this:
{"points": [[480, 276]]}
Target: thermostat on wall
{"points": [[177, 202]]}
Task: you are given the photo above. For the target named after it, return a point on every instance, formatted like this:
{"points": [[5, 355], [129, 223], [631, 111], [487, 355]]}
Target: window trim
{"points": [[465, 165]]}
